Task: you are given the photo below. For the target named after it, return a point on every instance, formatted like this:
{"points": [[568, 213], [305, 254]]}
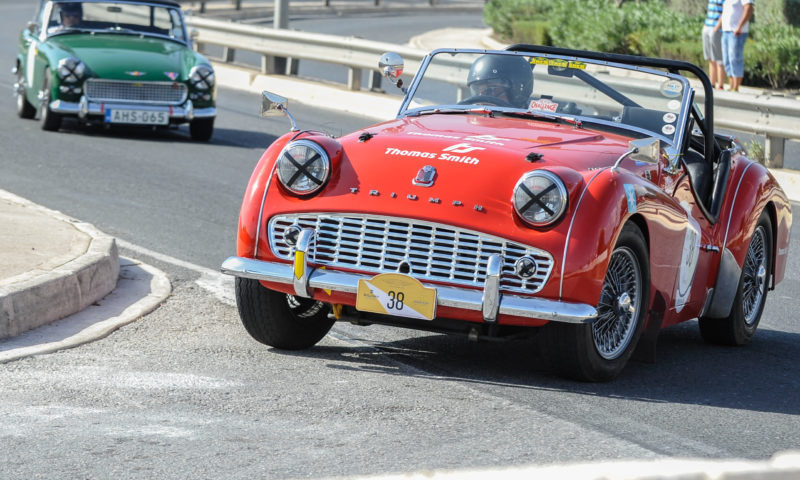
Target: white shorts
{"points": [[712, 44]]}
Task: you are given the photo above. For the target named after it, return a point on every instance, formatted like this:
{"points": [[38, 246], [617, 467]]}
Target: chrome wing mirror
{"points": [[274, 105], [391, 64]]}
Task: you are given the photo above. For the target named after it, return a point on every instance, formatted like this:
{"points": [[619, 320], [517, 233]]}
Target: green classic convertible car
{"points": [[116, 62]]}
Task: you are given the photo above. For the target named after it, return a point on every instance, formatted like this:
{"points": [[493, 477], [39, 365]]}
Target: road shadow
{"points": [[226, 137], [763, 376]]}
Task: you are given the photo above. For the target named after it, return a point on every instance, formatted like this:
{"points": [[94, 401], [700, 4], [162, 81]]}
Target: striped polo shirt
{"points": [[714, 12]]}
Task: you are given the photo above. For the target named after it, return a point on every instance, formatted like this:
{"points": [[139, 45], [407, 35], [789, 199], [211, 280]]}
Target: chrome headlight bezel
{"points": [[528, 193], [202, 77], [71, 70], [303, 167]]}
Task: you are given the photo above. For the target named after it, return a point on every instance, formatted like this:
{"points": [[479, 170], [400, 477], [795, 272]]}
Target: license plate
{"points": [[136, 117], [396, 294]]}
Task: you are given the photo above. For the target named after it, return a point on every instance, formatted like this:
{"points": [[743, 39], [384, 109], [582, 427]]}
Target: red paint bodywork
{"points": [[493, 159]]}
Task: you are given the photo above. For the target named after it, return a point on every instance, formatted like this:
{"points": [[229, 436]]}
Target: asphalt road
{"points": [[185, 393]]}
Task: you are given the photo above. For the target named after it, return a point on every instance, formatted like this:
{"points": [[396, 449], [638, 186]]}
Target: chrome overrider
{"points": [[490, 302], [84, 108]]}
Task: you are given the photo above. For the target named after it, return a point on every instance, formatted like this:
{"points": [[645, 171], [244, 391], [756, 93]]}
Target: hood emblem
{"points": [[136, 73], [425, 176], [171, 75]]}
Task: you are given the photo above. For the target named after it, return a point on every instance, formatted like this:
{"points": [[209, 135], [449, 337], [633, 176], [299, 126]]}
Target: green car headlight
{"points": [[540, 198], [202, 77], [71, 69], [303, 167]]}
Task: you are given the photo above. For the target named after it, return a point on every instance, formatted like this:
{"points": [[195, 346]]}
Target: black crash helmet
{"points": [[73, 8], [511, 68]]}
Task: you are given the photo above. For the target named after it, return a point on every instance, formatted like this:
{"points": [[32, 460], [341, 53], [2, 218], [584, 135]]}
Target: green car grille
{"points": [[146, 93]]}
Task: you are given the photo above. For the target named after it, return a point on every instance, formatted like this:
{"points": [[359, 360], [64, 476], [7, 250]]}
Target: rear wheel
{"points": [[280, 320], [50, 120], [24, 107], [751, 295], [599, 351], [201, 129]]}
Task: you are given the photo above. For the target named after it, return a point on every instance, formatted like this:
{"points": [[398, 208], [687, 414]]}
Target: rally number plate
{"points": [[396, 294], [136, 117]]}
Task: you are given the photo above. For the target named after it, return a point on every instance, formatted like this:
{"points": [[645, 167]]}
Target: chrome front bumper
{"points": [[490, 302], [85, 108]]}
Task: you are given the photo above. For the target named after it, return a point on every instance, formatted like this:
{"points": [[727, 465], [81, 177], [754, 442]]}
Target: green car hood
{"points": [[129, 57]]}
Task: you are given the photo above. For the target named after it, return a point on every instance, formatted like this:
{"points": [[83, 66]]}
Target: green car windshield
{"points": [[116, 17], [650, 102]]}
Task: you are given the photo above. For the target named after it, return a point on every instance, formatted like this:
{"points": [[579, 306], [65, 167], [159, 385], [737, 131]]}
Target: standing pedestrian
{"points": [[712, 44], [734, 23]]}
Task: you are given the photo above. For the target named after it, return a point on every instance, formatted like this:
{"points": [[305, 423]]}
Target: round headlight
{"points": [[71, 69], [202, 77], [540, 198], [303, 167]]}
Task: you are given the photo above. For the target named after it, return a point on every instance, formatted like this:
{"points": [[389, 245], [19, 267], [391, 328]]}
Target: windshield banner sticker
{"points": [[544, 105], [557, 62]]}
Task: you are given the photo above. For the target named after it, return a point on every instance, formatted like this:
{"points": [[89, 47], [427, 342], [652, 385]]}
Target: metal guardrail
{"points": [[778, 118]]}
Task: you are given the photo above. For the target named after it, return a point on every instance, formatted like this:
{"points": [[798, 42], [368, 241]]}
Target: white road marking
{"points": [[216, 283]]}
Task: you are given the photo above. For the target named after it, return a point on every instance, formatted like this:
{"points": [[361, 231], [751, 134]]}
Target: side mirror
{"points": [[391, 64], [32, 28], [647, 149], [274, 105]]}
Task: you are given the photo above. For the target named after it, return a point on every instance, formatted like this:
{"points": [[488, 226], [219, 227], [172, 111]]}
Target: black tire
{"points": [[280, 320], [751, 295], [599, 351], [484, 100], [24, 108], [50, 120], [201, 129]]}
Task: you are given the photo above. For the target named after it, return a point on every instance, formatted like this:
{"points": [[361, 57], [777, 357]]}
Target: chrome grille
{"points": [[433, 252], [144, 93]]}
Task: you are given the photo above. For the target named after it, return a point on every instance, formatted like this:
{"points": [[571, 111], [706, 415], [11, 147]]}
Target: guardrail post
{"points": [[354, 78], [202, 7], [238, 4], [228, 54], [773, 151], [375, 80]]}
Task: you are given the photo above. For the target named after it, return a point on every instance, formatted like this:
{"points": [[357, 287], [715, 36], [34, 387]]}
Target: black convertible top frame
{"points": [[673, 66]]}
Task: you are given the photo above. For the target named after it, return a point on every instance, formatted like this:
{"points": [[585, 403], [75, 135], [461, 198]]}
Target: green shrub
{"points": [[772, 58]]}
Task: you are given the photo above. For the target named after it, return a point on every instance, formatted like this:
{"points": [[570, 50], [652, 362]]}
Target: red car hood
{"points": [[477, 160]]}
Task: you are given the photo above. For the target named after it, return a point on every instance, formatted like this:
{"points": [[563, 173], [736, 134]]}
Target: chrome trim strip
{"points": [[733, 202], [466, 299], [490, 301], [569, 233], [261, 210], [74, 108]]}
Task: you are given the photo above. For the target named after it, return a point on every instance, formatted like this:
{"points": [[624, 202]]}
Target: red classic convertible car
{"points": [[578, 197]]}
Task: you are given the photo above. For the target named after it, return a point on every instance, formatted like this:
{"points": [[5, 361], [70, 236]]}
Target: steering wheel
{"points": [[485, 100]]}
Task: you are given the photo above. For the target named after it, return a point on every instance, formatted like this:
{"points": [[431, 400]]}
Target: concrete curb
{"points": [[38, 298], [141, 289]]}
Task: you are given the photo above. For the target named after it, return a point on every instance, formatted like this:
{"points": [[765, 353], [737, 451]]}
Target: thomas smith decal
{"points": [[447, 154]]}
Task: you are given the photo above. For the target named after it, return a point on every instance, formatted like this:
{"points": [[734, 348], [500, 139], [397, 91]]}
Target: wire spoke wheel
{"points": [[619, 305], [755, 276]]}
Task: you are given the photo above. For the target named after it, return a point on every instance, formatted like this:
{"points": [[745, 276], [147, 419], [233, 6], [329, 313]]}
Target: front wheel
{"points": [[279, 320], [599, 351], [50, 120], [201, 129], [751, 295]]}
